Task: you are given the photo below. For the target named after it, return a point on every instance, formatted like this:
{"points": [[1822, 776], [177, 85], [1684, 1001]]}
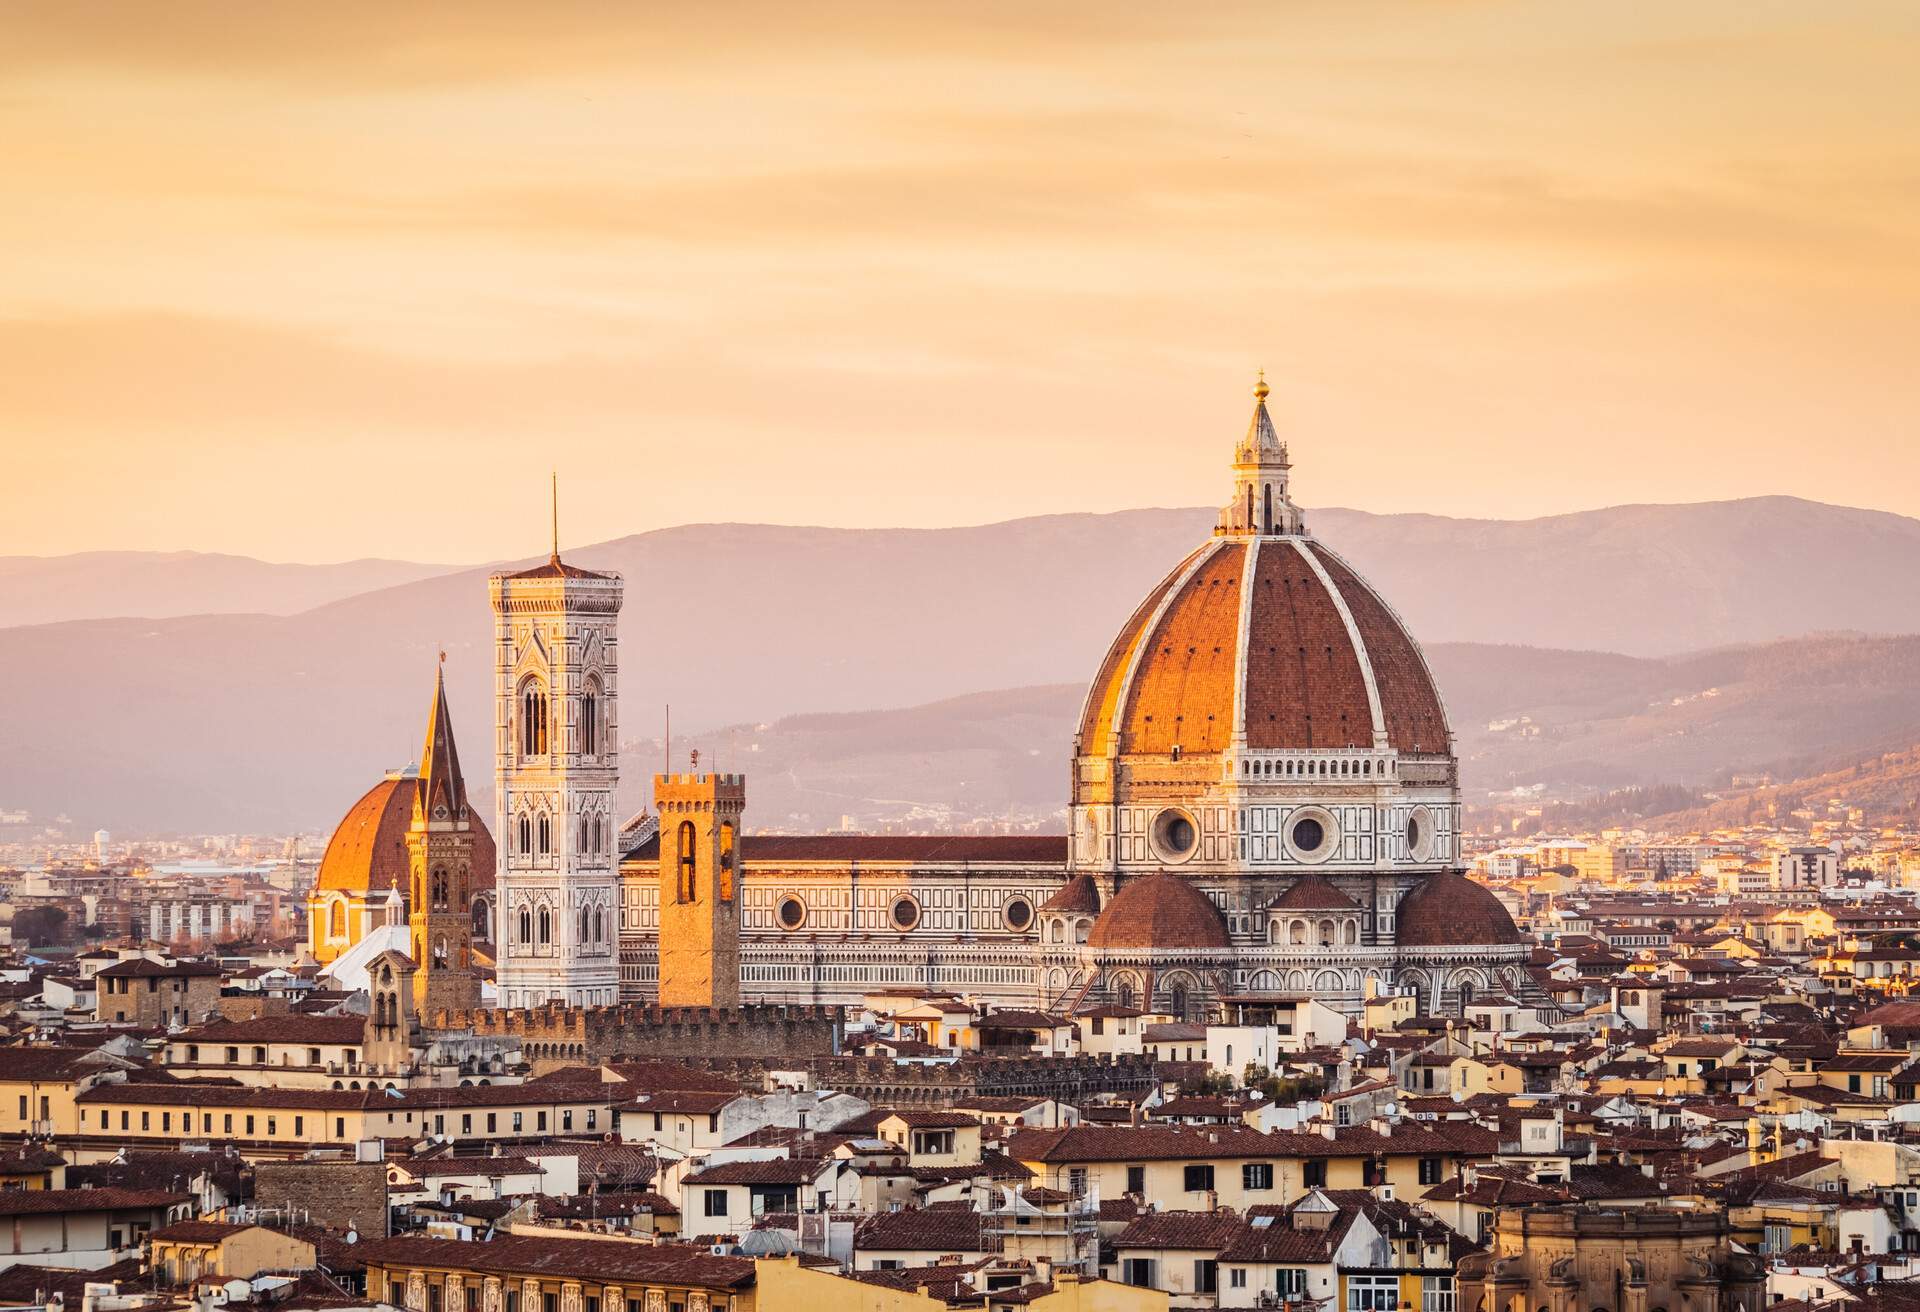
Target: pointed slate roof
{"points": [[442, 790]]}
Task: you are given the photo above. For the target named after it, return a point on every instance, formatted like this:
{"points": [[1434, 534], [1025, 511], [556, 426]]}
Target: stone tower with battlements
{"points": [[440, 853], [699, 887], [556, 662]]}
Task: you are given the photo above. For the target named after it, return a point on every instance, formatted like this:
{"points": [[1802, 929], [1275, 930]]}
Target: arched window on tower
{"points": [[526, 925], [545, 828], [546, 926], [526, 835], [586, 926], [440, 888], [599, 926], [533, 719], [590, 719], [1266, 514], [726, 861], [684, 852]]}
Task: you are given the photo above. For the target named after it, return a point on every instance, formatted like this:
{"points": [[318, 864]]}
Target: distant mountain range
{"points": [[104, 584], [1576, 722], [251, 721]]}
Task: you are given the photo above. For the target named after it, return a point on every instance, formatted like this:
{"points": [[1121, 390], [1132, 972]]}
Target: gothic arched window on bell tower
{"points": [[440, 892], [590, 719], [726, 861], [688, 893], [533, 719], [526, 925], [526, 835], [1266, 514], [545, 828], [546, 926]]}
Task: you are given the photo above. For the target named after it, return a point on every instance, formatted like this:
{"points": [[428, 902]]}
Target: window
{"points": [[1206, 1275], [1198, 1179], [1237, 1278], [1436, 1294], [516, 1121], [1256, 1175], [590, 720], [1137, 1271], [1430, 1169], [1313, 1172], [715, 1202], [684, 851], [1373, 1293], [1136, 1179], [491, 1127], [533, 719], [546, 920], [566, 1118], [466, 1122], [1342, 1114], [1779, 1238], [1290, 1282]]}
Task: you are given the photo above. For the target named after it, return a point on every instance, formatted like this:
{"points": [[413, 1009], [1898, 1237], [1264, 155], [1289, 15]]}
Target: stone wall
{"points": [[552, 1036], [340, 1195]]}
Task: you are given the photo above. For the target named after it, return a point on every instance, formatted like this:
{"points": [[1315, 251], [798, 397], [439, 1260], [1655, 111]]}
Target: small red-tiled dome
{"points": [[1313, 893], [1078, 896], [1449, 910], [1161, 912]]}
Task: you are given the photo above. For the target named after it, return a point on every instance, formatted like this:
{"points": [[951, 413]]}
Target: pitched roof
{"points": [[664, 1264]]}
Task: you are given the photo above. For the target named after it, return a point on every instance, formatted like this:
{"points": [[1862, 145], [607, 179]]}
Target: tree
{"points": [[39, 927]]}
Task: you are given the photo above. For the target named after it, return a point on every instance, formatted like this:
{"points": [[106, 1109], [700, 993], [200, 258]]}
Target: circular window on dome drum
{"points": [[1419, 834], [905, 912], [1312, 836], [792, 912], [1017, 913], [1174, 835]]}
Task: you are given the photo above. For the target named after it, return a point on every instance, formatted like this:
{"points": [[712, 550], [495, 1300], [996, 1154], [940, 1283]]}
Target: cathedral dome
{"points": [[1276, 635], [1265, 635], [1448, 910], [1163, 912], [368, 850]]}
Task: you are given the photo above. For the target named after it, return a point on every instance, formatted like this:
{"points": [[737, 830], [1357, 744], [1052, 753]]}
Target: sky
{"points": [[316, 281]]}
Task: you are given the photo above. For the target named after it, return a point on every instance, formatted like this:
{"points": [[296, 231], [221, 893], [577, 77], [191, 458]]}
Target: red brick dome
{"points": [[1079, 895], [1277, 633], [368, 850], [1163, 912], [1448, 910]]}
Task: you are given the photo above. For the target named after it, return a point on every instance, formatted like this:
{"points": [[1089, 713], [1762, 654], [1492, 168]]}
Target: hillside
{"points": [[102, 584], [261, 722], [1604, 722]]}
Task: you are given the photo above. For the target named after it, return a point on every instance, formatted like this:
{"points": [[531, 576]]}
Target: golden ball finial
{"points": [[1260, 387]]}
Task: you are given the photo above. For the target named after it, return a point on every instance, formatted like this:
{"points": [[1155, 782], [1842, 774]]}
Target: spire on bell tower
{"points": [[1260, 505], [442, 791]]}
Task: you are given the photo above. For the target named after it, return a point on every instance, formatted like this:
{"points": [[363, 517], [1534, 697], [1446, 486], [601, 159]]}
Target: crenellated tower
{"points": [[699, 887], [556, 664]]}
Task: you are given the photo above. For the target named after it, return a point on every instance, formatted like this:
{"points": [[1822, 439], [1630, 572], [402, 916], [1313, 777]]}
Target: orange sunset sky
{"points": [[311, 281]]}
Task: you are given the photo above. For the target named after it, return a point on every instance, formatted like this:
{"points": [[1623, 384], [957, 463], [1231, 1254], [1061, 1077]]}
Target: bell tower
{"points": [[557, 764], [440, 843], [699, 887], [387, 1043]]}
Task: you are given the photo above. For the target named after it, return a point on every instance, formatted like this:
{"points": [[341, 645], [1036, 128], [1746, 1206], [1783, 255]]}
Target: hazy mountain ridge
{"points": [[1006, 752], [269, 722], [108, 584]]}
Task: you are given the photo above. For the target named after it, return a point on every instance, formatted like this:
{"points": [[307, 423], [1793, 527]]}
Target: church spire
{"points": [[1260, 505], [442, 791]]}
